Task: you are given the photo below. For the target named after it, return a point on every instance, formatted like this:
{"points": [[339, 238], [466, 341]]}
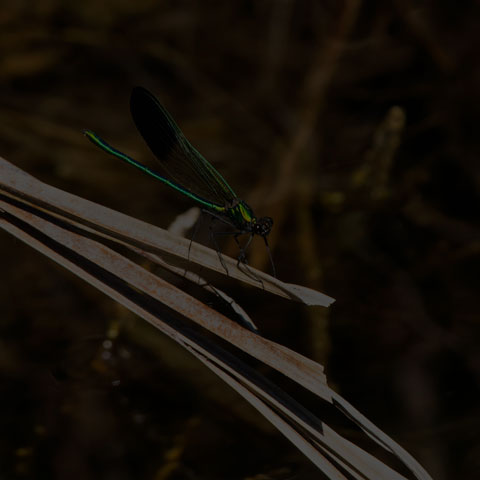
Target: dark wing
{"points": [[180, 161]]}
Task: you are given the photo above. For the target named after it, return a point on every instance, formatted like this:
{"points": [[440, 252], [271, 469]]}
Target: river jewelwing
{"points": [[186, 170]]}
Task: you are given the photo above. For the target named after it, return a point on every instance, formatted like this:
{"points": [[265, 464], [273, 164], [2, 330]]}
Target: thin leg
{"points": [[195, 230], [217, 247], [242, 258], [270, 257]]}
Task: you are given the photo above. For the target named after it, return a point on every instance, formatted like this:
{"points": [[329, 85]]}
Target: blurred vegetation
{"points": [[353, 124]]}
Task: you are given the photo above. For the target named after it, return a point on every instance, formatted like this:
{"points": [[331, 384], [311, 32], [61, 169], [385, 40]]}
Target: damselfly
{"points": [[186, 170]]}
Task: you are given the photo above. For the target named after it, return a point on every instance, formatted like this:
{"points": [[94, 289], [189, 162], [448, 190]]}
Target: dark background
{"points": [[353, 124]]}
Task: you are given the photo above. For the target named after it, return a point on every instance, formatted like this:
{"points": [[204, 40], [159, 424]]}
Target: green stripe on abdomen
{"points": [[99, 142]]}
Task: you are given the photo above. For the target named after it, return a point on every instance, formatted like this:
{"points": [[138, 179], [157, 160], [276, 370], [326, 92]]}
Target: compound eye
{"points": [[264, 226]]}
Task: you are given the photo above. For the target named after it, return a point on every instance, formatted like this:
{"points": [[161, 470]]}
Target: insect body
{"points": [[184, 169]]}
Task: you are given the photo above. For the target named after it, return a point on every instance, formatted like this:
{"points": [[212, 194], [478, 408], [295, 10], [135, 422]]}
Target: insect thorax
{"points": [[243, 218], [241, 215]]}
